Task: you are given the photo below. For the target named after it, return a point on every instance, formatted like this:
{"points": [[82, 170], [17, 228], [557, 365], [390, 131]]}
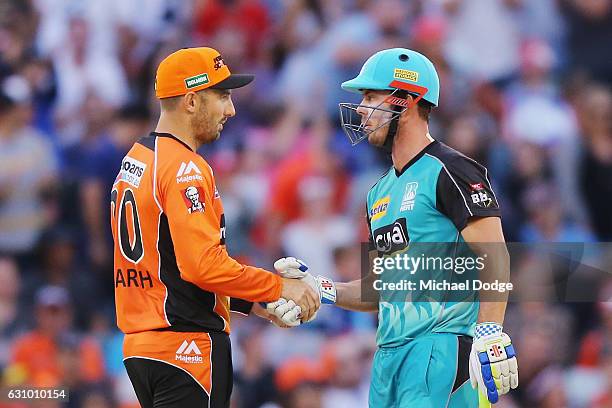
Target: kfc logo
{"points": [[192, 196]]}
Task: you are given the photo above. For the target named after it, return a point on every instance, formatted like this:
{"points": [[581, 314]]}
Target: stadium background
{"points": [[525, 90]]}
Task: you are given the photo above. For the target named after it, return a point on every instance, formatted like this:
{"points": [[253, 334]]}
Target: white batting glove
{"points": [[293, 268], [285, 310], [493, 365]]}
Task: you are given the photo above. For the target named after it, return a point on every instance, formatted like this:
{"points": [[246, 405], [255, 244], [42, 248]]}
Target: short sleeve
{"points": [[464, 191]]}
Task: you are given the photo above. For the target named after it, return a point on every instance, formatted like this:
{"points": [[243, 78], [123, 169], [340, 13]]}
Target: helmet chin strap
{"points": [[394, 124]]}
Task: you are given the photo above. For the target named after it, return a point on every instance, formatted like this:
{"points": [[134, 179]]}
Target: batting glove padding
{"points": [[493, 365], [293, 268], [285, 310]]}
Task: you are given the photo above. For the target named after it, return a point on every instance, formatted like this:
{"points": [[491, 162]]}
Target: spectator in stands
{"points": [[589, 30], [604, 398], [84, 69], [60, 265], [300, 382], [600, 339], [99, 164], [28, 172], [595, 169], [348, 360], [546, 222], [10, 283], [51, 354], [318, 226], [255, 380], [468, 20]]}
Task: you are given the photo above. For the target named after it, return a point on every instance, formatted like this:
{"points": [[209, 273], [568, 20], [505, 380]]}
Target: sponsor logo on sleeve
{"points": [[131, 171], [193, 196], [379, 209], [188, 172], [479, 195]]}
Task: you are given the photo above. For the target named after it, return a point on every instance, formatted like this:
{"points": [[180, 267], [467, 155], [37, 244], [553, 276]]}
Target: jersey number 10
{"points": [[135, 251]]}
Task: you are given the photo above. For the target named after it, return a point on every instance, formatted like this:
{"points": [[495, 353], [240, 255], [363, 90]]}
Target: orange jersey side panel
{"points": [[172, 269]]}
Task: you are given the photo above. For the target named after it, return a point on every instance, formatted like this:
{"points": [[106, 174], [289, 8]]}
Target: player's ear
{"points": [[410, 111], [190, 102]]}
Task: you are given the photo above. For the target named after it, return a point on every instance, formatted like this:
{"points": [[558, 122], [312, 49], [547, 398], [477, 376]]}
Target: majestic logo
{"points": [[391, 238], [219, 63], [183, 175], [196, 80], [479, 195], [409, 196], [192, 196], [379, 208], [399, 73], [131, 171], [189, 352]]}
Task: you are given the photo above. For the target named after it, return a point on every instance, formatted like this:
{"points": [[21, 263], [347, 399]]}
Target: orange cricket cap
{"points": [[194, 69]]}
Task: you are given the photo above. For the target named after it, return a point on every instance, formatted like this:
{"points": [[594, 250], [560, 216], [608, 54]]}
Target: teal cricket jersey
{"points": [[429, 201]]}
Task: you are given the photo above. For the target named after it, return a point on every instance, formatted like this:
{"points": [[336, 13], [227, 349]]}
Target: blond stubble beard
{"points": [[200, 126]]}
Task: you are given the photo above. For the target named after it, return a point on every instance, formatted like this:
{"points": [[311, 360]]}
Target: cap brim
{"points": [[234, 81]]}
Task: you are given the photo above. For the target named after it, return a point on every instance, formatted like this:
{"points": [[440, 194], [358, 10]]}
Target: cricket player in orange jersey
{"points": [[175, 283]]}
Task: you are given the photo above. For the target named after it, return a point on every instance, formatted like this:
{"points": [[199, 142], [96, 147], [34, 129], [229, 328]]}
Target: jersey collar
{"points": [[415, 158], [171, 136]]}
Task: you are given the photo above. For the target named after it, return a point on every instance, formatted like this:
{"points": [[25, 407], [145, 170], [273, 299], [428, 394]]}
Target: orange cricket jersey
{"points": [[171, 267]]}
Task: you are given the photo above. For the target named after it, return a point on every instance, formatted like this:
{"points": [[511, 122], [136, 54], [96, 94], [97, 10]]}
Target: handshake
{"points": [[302, 293]]}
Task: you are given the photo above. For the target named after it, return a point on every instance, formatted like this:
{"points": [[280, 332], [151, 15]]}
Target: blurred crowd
{"points": [[525, 90]]}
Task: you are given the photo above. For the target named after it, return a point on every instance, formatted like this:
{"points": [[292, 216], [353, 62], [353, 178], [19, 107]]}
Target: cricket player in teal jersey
{"points": [[443, 353]]}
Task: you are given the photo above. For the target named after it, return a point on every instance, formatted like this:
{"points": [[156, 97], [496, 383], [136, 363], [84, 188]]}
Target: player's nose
{"points": [[362, 110], [229, 109]]}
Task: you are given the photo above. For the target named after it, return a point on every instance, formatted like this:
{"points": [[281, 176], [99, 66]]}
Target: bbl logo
{"points": [[391, 238], [479, 195]]}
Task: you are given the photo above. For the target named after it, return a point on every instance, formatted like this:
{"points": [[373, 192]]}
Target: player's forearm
{"points": [[497, 268], [486, 239], [218, 272], [492, 312], [349, 297]]}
